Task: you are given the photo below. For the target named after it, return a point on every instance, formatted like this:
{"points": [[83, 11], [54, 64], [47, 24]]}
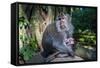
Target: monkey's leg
{"points": [[70, 50], [60, 47], [48, 50], [64, 48]]}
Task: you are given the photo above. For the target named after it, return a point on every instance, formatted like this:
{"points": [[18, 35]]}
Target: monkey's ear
{"points": [[61, 14], [69, 18]]}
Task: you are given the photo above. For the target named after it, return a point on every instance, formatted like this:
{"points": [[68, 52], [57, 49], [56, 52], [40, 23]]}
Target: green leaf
{"points": [[81, 39]]}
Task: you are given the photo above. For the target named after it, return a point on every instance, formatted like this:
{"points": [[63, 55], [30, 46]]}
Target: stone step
{"points": [[63, 59]]}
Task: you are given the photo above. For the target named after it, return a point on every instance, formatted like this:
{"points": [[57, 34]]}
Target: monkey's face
{"points": [[62, 22]]}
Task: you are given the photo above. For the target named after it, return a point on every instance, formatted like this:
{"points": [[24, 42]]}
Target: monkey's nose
{"points": [[62, 22]]}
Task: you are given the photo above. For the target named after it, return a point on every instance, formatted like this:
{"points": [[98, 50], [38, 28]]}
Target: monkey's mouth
{"points": [[62, 27]]}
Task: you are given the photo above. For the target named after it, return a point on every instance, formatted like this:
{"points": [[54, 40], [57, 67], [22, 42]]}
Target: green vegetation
{"points": [[84, 21], [29, 44]]}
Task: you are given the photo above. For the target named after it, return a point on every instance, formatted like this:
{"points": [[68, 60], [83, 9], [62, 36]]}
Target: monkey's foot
{"points": [[62, 55]]}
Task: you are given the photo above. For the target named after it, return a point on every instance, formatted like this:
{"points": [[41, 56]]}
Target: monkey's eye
{"points": [[62, 17], [59, 18]]}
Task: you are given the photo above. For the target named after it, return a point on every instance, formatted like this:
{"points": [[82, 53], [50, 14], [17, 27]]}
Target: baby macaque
{"points": [[69, 41]]}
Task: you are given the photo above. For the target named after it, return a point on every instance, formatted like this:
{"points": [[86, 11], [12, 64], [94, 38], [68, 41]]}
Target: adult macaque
{"points": [[58, 36]]}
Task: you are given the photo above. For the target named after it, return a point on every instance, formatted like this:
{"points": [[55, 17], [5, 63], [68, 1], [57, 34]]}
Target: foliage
{"points": [[86, 38], [84, 21], [29, 50], [29, 44], [84, 18]]}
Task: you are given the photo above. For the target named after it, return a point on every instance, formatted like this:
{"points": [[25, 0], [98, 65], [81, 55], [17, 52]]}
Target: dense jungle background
{"points": [[33, 19]]}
